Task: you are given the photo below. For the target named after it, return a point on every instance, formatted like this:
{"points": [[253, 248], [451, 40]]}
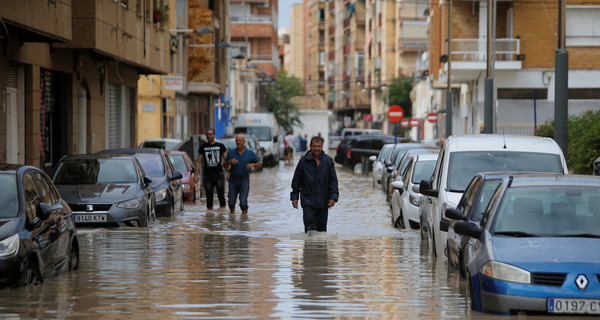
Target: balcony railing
{"points": [[413, 43], [475, 49], [251, 19]]}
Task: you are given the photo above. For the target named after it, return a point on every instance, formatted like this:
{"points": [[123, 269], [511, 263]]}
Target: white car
{"points": [[462, 157], [379, 162], [406, 198]]}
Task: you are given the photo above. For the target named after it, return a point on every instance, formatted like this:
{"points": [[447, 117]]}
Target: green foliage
{"points": [[278, 100], [583, 138], [400, 94]]}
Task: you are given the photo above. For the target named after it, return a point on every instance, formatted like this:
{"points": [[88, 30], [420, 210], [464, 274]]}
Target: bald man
{"points": [[240, 163]]}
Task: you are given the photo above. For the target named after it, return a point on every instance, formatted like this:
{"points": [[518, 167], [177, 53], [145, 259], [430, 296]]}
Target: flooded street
{"points": [[226, 266]]}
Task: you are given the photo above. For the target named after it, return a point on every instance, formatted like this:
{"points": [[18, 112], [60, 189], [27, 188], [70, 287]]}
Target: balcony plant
{"points": [[160, 15]]}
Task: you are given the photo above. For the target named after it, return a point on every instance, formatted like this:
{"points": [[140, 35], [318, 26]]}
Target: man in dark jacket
{"points": [[315, 184]]}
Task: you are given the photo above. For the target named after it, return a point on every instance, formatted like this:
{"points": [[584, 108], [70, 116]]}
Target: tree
{"points": [[400, 94], [278, 100]]}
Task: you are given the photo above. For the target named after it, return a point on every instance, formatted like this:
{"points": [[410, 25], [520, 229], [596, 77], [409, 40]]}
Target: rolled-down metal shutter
{"points": [[112, 116]]}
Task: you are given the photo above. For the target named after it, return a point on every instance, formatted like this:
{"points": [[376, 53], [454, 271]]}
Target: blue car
{"points": [[536, 247]]}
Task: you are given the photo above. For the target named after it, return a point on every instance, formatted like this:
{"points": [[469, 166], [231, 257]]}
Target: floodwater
{"points": [[217, 265]]}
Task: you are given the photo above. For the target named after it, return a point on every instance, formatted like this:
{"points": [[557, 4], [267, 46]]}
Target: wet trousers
{"points": [[315, 218], [239, 187], [210, 182]]}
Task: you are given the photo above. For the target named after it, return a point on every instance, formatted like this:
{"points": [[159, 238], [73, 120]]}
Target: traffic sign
{"points": [[414, 122], [432, 117], [404, 123], [395, 113]]}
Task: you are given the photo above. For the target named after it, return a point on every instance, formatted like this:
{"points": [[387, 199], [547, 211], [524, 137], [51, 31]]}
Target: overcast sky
{"points": [[284, 12]]}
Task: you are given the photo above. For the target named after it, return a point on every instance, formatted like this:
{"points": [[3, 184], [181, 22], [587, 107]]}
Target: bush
{"points": [[583, 136]]}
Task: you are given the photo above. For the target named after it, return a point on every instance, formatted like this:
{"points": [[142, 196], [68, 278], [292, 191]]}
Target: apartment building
{"points": [[314, 43], [253, 44], [345, 63], [70, 75], [525, 43], [293, 61]]}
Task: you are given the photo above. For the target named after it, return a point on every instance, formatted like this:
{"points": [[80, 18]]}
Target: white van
{"points": [[355, 131], [462, 157], [264, 126]]}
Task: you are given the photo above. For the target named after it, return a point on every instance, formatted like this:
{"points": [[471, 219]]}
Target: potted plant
{"points": [[161, 13]]}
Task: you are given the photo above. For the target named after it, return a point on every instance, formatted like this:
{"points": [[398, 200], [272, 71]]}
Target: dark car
{"points": [[38, 238], [105, 189], [340, 153], [471, 207], [364, 146], [166, 182]]}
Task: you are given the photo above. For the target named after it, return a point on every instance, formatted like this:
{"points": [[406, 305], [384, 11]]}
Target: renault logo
{"points": [[581, 281], [89, 208]]}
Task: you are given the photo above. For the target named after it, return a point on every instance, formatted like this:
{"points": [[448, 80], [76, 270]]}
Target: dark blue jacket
{"points": [[315, 185]]}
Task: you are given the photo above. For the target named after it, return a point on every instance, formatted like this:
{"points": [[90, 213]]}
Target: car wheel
{"points": [[74, 257], [398, 222], [194, 194], [152, 212], [461, 265], [32, 276]]}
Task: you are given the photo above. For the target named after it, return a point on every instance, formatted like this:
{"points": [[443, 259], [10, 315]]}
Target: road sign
{"points": [[432, 117], [414, 122], [395, 113], [404, 123]]}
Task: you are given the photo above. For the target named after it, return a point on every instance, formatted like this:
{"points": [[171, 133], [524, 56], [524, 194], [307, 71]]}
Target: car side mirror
{"points": [[455, 214], [415, 188], [398, 184], [44, 210], [176, 176], [469, 229], [372, 158], [425, 189], [389, 169]]}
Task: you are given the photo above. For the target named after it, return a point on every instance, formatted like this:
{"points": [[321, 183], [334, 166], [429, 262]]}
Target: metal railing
{"points": [[475, 49]]}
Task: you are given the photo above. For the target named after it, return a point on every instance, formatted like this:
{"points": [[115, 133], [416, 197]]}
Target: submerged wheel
{"points": [[74, 257], [32, 276]]}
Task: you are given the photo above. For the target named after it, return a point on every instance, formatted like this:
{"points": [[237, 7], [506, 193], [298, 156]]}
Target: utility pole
{"points": [[561, 83], [488, 110], [449, 87]]}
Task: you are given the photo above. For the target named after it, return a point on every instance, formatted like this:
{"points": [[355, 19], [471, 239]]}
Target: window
{"points": [[32, 198], [360, 64], [584, 94], [523, 94], [583, 26]]}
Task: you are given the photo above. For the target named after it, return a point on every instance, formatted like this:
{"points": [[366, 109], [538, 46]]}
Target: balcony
{"points": [[346, 49], [331, 30], [251, 20], [52, 21], [332, 5], [331, 55], [414, 44], [346, 23], [468, 57]]}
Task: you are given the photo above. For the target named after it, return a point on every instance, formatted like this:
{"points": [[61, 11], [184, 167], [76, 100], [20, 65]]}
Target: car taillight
{"points": [[348, 153]]}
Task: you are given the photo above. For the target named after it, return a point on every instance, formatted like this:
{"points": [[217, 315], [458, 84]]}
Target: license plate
{"points": [[562, 305], [90, 218]]}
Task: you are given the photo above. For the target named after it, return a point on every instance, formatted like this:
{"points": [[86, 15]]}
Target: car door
{"points": [[455, 241]]}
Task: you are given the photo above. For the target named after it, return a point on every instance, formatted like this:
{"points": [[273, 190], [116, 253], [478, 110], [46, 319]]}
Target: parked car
{"points": [[394, 162], [38, 238], [397, 172], [471, 207], [364, 146], [192, 190], [161, 143], [334, 141], [105, 189], [357, 131], [462, 157], [191, 145], [340, 154], [380, 162], [252, 143], [166, 181], [406, 198], [534, 250]]}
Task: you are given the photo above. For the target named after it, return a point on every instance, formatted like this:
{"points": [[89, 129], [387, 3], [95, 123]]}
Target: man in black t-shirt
{"points": [[213, 153]]}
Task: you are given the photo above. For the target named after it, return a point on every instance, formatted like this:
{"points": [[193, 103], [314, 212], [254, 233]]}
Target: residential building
{"points": [[254, 39], [525, 42], [70, 75], [294, 50], [314, 47]]}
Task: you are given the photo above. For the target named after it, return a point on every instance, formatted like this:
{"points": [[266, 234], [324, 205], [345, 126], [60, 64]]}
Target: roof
{"points": [[132, 150], [309, 102], [482, 142]]}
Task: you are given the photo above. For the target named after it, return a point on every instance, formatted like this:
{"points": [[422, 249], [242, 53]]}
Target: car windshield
{"points": [[261, 133], [229, 143], [151, 163], [178, 162], [95, 171], [9, 197], [466, 164], [549, 211], [423, 170]]}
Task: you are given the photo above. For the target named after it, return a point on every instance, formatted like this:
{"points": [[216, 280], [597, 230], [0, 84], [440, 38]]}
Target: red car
{"points": [[182, 163]]}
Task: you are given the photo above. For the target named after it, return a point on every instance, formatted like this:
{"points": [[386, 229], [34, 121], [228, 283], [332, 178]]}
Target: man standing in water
{"points": [[213, 153], [241, 161], [315, 184]]}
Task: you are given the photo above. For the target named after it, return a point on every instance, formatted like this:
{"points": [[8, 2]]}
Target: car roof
{"points": [[479, 142], [162, 139], [97, 156], [425, 156], [541, 178], [132, 150]]}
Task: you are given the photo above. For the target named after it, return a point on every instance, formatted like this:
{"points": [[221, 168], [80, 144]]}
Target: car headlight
{"points": [[129, 204], [161, 195], [415, 201], [186, 186], [9, 246], [506, 272]]}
